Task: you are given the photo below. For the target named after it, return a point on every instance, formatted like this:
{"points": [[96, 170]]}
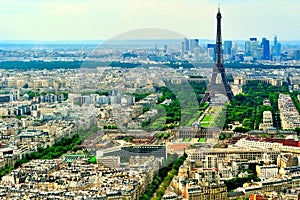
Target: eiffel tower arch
{"points": [[218, 90]]}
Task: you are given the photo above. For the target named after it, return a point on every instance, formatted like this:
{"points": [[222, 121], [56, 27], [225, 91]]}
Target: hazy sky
{"points": [[103, 19]]}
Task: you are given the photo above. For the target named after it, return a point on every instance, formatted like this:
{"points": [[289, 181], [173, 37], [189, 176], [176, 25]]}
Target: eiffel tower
{"points": [[218, 86]]}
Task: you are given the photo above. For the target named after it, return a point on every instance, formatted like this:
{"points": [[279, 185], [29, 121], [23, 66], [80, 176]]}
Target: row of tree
{"points": [[39, 65], [157, 188], [110, 127], [173, 110], [294, 97], [93, 64], [239, 181], [140, 96], [5, 170], [248, 108], [185, 101], [236, 182], [163, 135], [56, 150]]}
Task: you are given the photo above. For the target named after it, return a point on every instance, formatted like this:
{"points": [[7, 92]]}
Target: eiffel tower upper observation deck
{"points": [[218, 90]]}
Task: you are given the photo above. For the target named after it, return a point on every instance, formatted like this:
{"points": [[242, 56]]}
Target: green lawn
{"points": [[93, 160], [205, 125], [186, 139], [194, 118], [157, 124], [207, 119]]}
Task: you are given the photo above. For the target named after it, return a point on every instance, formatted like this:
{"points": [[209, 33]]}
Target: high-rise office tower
{"points": [[182, 48], [247, 48], [193, 44], [220, 86], [213, 46], [165, 48], [297, 54], [211, 53], [253, 48], [266, 48], [197, 53], [227, 47], [186, 44], [197, 42], [234, 48], [276, 49]]}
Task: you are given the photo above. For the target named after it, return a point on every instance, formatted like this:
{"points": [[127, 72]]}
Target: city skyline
{"points": [[101, 20], [149, 99]]}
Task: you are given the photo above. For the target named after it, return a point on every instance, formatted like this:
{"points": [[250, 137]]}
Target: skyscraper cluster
{"points": [[262, 50], [189, 45], [253, 50]]}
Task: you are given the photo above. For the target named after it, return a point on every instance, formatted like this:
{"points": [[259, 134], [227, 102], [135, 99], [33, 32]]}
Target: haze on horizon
{"points": [[52, 20]]}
